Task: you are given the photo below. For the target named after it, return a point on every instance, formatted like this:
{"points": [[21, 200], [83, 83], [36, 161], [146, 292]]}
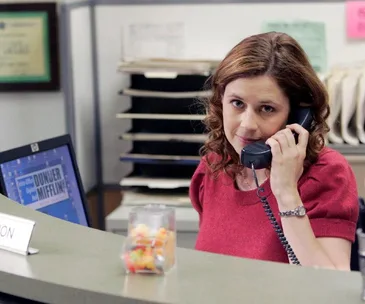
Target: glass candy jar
{"points": [[150, 246]]}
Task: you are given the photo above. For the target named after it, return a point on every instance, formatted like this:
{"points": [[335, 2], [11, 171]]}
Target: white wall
{"points": [[30, 117], [210, 32], [83, 94], [110, 83]]}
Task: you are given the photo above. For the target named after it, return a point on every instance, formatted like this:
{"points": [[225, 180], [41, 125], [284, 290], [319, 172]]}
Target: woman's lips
{"points": [[246, 140]]}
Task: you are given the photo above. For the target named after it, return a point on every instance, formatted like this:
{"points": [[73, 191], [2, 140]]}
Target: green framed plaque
{"points": [[29, 58]]}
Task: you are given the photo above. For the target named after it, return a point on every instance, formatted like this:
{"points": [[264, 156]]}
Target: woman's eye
{"points": [[267, 109], [237, 103]]}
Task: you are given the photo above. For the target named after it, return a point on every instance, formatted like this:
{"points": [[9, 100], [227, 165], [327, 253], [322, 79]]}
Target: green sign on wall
{"points": [[310, 35]]}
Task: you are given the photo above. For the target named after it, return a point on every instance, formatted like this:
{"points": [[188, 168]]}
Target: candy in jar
{"points": [[151, 243]]}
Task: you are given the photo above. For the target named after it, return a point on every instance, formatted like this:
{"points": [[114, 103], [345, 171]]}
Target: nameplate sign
{"points": [[16, 233]]}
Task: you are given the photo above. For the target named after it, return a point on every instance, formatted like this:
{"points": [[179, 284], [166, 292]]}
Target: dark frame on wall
{"points": [[29, 47]]}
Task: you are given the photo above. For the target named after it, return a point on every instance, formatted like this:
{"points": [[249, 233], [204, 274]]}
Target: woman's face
{"points": [[253, 109]]}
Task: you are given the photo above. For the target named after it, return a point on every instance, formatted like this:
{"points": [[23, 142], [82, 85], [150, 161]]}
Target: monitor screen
{"points": [[46, 181]]}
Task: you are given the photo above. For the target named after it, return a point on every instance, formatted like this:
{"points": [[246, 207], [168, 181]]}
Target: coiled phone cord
{"points": [[273, 221]]}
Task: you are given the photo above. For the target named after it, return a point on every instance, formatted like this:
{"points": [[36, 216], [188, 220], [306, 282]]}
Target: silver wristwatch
{"points": [[299, 211]]}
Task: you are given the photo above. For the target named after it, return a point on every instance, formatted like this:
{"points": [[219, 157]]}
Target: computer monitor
{"points": [[44, 176]]}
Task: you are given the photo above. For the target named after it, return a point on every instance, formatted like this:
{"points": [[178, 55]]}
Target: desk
{"points": [[81, 265]]}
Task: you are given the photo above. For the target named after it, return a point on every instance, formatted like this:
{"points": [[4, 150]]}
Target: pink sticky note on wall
{"points": [[355, 19]]}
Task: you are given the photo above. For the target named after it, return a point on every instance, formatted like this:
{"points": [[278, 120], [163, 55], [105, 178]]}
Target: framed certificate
{"points": [[29, 55]]}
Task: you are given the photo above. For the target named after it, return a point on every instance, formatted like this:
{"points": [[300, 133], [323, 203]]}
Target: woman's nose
{"points": [[249, 120]]}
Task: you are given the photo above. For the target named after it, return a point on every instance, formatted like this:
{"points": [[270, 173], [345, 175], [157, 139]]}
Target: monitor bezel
{"points": [[42, 146]]}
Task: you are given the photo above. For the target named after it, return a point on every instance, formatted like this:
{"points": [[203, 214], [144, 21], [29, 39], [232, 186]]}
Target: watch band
{"points": [[298, 211]]}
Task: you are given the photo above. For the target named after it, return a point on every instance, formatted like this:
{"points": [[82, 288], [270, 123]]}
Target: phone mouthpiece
{"points": [[258, 154]]}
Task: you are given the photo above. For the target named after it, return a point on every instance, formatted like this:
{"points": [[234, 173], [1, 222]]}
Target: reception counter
{"points": [[82, 265]]}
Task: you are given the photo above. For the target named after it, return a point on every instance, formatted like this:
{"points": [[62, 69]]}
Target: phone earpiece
{"points": [[258, 154]]}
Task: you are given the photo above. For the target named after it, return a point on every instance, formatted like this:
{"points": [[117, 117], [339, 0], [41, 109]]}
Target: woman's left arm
{"points": [[324, 252], [286, 169]]}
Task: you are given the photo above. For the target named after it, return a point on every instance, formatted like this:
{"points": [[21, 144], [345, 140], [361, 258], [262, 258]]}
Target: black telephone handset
{"points": [[258, 156]]}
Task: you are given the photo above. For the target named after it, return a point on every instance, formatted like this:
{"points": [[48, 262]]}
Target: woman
{"points": [[255, 88]]}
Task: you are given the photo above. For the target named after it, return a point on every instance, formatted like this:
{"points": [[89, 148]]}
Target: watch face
{"points": [[301, 211]]}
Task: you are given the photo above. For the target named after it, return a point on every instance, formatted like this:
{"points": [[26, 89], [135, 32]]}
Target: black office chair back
{"points": [[355, 246]]}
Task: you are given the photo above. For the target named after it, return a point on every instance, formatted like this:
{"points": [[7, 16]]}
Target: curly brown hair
{"points": [[281, 57]]}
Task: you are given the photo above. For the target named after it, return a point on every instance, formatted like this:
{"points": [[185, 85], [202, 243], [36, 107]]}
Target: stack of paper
{"points": [[196, 138], [165, 95], [145, 94], [160, 159], [156, 183], [127, 115], [134, 198], [168, 67]]}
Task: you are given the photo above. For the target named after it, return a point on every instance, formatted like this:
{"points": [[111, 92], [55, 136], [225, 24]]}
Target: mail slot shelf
{"points": [[166, 119]]}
